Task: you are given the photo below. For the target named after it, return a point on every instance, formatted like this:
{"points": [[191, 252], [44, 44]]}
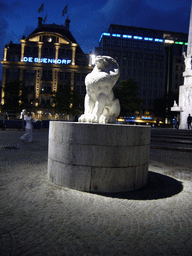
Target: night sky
{"points": [[89, 18]]}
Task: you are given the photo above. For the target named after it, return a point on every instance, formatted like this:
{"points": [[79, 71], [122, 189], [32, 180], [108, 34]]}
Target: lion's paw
{"points": [[103, 119], [89, 118], [82, 118], [94, 119]]}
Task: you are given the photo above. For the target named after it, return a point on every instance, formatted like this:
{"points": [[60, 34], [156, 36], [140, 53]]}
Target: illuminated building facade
{"points": [[153, 58], [47, 58]]}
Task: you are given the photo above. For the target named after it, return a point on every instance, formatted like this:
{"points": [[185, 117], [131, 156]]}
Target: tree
{"points": [[159, 107], [162, 106], [127, 94], [66, 101], [15, 96]]}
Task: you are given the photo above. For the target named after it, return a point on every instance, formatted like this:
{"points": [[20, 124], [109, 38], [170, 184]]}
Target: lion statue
{"points": [[100, 103]]}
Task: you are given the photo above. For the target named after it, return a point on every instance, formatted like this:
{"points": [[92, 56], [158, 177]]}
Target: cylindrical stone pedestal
{"points": [[98, 157]]}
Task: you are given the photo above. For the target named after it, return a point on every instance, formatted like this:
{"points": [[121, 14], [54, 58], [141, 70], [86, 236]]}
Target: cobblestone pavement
{"points": [[40, 218]]}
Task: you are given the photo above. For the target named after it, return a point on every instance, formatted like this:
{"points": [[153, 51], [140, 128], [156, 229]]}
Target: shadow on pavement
{"points": [[159, 186]]}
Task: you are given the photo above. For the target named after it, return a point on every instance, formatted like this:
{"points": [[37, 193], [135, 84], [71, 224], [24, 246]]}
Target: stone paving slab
{"points": [[40, 218]]}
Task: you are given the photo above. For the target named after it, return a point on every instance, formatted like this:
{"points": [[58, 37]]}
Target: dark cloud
{"points": [[88, 26], [175, 21], [3, 25], [116, 11], [3, 32], [157, 14], [168, 5], [28, 30], [10, 8], [4, 7]]}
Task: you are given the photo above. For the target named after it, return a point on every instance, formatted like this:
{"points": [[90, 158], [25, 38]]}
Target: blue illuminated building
{"points": [[47, 58], [153, 58]]}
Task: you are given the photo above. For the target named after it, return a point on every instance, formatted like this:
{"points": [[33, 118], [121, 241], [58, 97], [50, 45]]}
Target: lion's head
{"points": [[105, 63]]}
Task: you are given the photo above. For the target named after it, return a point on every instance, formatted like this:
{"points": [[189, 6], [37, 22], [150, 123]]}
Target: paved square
{"points": [[40, 218]]}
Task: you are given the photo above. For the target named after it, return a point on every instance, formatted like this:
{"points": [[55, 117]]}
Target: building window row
{"points": [[12, 74], [64, 76], [179, 77], [29, 74], [80, 77], [151, 93], [134, 55], [132, 44], [141, 64], [80, 89], [46, 88], [144, 73], [181, 68], [48, 52], [31, 50]]}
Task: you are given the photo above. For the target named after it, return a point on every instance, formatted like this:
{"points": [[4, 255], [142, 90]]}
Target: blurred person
{"points": [[189, 119], [28, 135], [175, 122]]}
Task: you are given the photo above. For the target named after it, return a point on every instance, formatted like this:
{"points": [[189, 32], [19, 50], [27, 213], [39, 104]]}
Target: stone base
{"points": [[98, 157], [185, 102]]}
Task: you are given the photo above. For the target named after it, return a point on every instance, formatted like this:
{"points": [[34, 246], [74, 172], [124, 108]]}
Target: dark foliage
{"points": [[66, 100], [127, 94], [162, 106], [15, 96]]}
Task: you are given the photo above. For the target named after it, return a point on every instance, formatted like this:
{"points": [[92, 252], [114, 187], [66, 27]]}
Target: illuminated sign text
{"points": [[46, 60]]}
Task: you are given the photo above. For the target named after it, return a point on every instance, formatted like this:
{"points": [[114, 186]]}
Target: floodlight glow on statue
{"points": [[100, 104]]}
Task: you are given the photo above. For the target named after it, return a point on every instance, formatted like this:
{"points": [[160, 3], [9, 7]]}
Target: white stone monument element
{"points": [[100, 103], [93, 155], [185, 91], [98, 157]]}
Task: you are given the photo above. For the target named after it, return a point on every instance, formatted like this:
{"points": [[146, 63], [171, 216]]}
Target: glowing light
{"points": [[138, 37], [148, 39], [116, 35], [46, 60], [179, 42], [169, 41], [93, 59], [159, 40], [104, 34], [147, 118], [127, 36]]}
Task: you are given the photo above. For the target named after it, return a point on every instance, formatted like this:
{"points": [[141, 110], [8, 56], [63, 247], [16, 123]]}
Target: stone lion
{"points": [[100, 103]]}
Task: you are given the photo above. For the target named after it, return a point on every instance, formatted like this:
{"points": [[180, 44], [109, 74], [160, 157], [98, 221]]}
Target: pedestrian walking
{"points": [[28, 135], [189, 119], [175, 122]]}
